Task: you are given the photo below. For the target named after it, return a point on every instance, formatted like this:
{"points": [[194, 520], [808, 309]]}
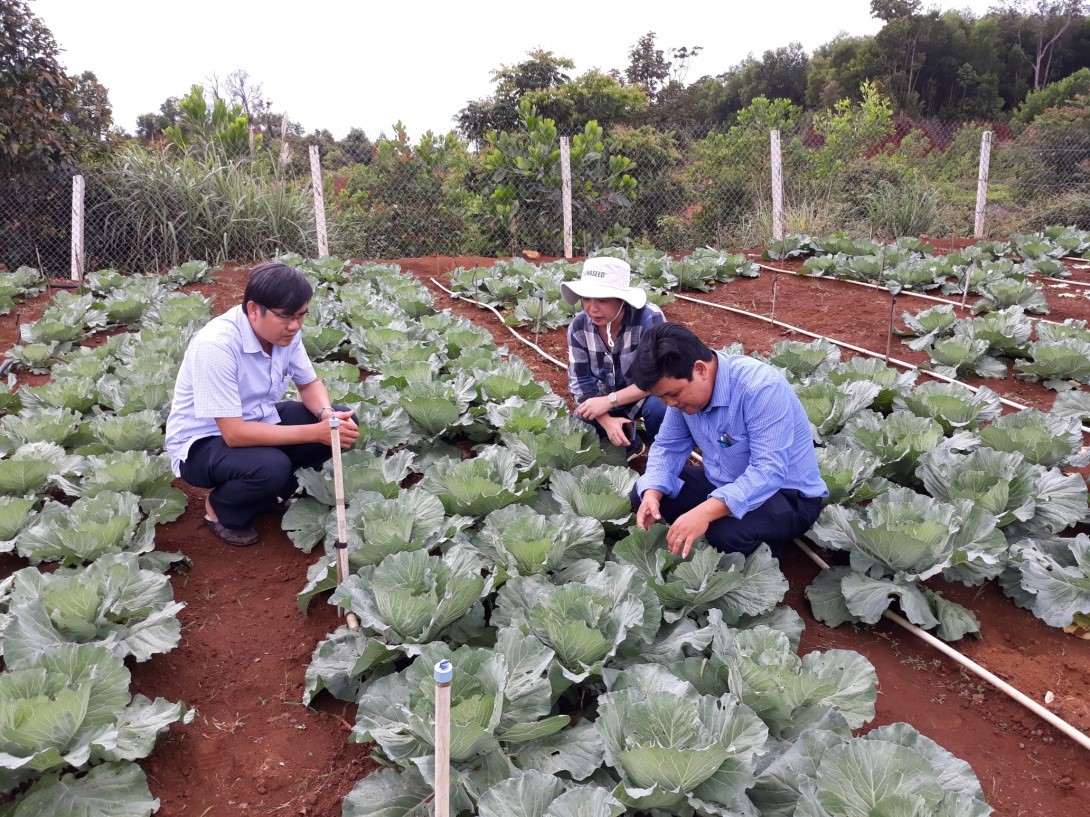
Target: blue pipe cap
{"points": [[444, 672]]}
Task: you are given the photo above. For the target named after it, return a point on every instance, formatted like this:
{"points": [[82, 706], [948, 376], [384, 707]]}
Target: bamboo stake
{"points": [[444, 675], [340, 545]]}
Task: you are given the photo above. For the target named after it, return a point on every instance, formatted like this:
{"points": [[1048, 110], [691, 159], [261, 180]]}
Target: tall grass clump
{"points": [[155, 209]]}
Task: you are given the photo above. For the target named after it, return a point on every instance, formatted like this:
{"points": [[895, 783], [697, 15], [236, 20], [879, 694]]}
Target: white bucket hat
{"points": [[604, 277]]}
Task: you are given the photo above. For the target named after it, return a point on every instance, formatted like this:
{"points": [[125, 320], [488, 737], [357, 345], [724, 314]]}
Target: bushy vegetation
{"points": [[880, 137]]}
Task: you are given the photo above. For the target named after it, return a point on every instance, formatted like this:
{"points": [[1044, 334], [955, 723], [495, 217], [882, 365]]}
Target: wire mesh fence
{"points": [[672, 190]]}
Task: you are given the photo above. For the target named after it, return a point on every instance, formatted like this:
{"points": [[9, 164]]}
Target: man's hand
{"points": [[616, 429], [348, 430], [686, 529], [594, 408], [648, 512], [693, 524]]}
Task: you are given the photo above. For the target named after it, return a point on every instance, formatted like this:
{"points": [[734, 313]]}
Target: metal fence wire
{"points": [[145, 210]]}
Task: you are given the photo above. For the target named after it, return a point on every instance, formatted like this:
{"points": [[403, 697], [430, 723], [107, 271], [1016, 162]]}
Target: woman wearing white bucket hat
{"points": [[602, 342]]}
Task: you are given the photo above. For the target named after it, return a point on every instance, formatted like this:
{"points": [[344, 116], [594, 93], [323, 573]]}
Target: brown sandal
{"points": [[239, 537]]}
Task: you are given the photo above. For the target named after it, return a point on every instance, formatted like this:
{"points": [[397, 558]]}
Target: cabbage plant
{"points": [[565, 444], [584, 622], [786, 690], [136, 472], [477, 486], [113, 603], [676, 750], [1014, 291], [1050, 576], [953, 405], [829, 406], [927, 325], [69, 709], [962, 355], [1006, 486], [850, 474], [519, 541], [898, 441], [600, 492], [737, 586], [1057, 362], [498, 696], [892, 382], [140, 431], [900, 539], [891, 770], [802, 360], [88, 529], [35, 465], [1049, 439], [411, 597], [46, 426]]}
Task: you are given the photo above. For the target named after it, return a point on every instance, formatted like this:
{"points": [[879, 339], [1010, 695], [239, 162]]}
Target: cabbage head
{"points": [[675, 749]]}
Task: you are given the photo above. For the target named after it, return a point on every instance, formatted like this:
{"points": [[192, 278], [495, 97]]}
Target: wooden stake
{"points": [[444, 675], [340, 546]]}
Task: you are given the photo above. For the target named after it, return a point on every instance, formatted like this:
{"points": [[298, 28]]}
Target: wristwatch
{"points": [[613, 398]]}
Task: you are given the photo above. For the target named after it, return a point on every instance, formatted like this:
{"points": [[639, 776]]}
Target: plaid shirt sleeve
{"points": [[584, 363]]}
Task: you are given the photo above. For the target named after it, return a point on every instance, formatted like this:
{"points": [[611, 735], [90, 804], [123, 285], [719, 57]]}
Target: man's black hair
{"points": [[667, 350], [277, 286]]}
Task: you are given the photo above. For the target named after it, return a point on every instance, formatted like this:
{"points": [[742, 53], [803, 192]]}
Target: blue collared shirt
{"points": [[753, 434], [595, 369], [226, 373]]}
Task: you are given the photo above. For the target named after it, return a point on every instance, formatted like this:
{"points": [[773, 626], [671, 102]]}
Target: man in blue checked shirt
{"points": [[760, 480]]}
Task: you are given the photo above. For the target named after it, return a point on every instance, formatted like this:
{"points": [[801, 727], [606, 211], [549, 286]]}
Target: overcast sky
{"points": [[338, 64]]}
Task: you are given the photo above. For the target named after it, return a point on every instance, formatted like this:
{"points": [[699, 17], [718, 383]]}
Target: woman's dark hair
{"points": [[277, 286], [667, 350]]}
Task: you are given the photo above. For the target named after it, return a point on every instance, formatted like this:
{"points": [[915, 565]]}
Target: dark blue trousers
{"points": [[247, 481], [785, 515]]}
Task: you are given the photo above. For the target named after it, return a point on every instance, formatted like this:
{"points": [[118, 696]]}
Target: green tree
{"points": [[218, 130], [36, 96], [409, 200], [1053, 95], [851, 129], [524, 194], [1039, 28], [730, 171], [592, 96], [150, 126], [543, 70], [647, 67], [659, 192], [778, 74], [840, 67]]}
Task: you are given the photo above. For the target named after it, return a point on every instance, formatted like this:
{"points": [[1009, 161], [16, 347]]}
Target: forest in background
{"points": [[881, 135]]}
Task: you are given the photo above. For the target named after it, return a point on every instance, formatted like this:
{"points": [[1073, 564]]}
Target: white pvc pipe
{"points": [[319, 201], [909, 292], [496, 312], [1069, 730]]}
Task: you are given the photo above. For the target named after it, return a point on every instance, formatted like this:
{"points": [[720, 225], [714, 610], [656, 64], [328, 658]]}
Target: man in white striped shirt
{"points": [[760, 480]]}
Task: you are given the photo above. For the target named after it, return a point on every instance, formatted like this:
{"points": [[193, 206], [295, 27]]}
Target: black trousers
{"points": [[248, 481], [785, 515]]}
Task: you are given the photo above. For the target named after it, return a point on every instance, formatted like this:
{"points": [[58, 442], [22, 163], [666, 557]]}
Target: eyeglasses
{"points": [[298, 317]]}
